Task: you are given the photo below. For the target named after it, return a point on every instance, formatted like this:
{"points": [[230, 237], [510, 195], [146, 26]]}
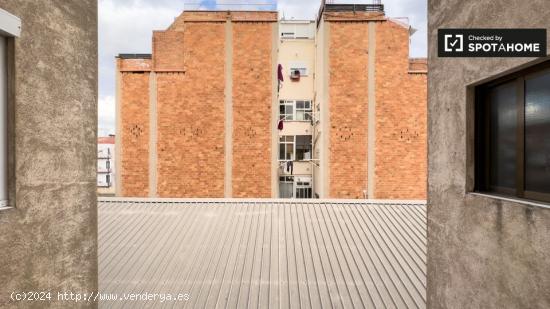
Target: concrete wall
{"points": [[297, 51], [49, 240], [321, 104], [483, 252]]}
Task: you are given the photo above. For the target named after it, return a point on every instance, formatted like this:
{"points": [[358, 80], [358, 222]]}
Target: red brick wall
{"points": [[252, 91], [400, 148], [168, 50], [134, 169], [348, 60], [401, 140], [190, 106], [134, 65]]}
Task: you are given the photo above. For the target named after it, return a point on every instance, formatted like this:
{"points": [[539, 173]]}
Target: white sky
{"points": [[125, 26]]}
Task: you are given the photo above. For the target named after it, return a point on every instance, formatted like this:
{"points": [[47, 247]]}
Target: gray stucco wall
{"points": [[49, 241], [482, 252]]}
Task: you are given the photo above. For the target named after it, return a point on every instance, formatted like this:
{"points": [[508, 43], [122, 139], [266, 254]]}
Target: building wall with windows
{"points": [[487, 247], [352, 106], [48, 236], [296, 55]]}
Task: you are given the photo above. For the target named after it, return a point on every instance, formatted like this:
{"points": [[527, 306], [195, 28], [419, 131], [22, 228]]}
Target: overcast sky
{"points": [[125, 26]]}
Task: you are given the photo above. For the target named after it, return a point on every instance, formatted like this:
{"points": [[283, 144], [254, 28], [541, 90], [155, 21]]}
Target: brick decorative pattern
{"points": [[401, 114], [134, 169], [190, 107], [252, 100], [348, 59]]}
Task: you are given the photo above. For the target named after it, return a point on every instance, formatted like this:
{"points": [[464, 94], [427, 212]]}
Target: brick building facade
{"points": [[182, 109], [199, 117]]}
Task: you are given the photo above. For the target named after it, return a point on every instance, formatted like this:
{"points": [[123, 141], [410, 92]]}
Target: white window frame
{"points": [[302, 183], [10, 26], [295, 109], [283, 140], [298, 183], [286, 181]]}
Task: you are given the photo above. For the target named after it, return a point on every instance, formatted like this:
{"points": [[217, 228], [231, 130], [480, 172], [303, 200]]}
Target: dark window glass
{"points": [[512, 125], [537, 134], [281, 151], [503, 127], [303, 147]]}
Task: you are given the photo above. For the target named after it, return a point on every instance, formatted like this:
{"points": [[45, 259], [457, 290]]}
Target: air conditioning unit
{"points": [[295, 75]]}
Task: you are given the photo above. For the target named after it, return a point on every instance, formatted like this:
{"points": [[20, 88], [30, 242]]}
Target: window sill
{"points": [[512, 199], [5, 208]]}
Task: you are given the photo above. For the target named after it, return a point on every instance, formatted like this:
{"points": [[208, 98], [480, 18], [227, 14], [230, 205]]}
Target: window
{"points": [[295, 187], [513, 135], [287, 35], [108, 179], [303, 188], [286, 186], [286, 110], [10, 26], [286, 148], [108, 164], [297, 30], [299, 110], [303, 110], [303, 147], [3, 125], [295, 148]]}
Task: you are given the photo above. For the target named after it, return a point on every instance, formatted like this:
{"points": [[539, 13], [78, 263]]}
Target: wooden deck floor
{"points": [[263, 253]]}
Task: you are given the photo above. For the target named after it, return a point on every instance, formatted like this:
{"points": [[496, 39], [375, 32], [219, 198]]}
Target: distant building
{"points": [[241, 104], [296, 57], [106, 165]]}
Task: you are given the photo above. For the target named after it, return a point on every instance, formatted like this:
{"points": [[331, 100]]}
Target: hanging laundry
{"points": [[280, 73], [290, 167], [280, 125], [280, 78]]}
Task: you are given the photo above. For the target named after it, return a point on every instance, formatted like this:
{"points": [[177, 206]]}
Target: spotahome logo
{"points": [[491, 42]]}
